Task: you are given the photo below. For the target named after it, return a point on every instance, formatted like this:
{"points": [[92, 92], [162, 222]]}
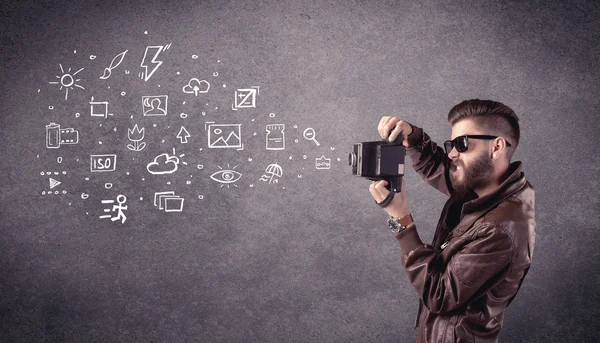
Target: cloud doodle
{"points": [[196, 86], [161, 166]]}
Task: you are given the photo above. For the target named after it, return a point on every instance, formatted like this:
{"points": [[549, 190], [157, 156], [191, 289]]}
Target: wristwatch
{"points": [[399, 224]]}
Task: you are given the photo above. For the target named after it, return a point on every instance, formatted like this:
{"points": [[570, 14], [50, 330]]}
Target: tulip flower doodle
{"points": [[136, 135]]}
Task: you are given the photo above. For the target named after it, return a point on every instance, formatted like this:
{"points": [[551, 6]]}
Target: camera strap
{"points": [[385, 202]]}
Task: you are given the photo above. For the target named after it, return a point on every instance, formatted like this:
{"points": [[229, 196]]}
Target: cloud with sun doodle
{"points": [[163, 164]]}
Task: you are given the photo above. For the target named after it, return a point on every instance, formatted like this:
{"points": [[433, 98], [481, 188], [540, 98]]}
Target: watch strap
{"points": [[404, 221]]}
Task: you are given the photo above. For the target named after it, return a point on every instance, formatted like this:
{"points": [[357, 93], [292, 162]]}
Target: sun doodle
{"points": [[67, 80]]}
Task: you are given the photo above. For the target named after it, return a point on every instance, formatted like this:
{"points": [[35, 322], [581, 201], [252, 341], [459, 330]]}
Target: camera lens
{"points": [[352, 159]]}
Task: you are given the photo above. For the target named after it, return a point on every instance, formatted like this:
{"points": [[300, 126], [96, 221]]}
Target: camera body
{"points": [[379, 160]]}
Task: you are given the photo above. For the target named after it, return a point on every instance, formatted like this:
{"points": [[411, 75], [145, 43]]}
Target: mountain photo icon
{"points": [[222, 136]]}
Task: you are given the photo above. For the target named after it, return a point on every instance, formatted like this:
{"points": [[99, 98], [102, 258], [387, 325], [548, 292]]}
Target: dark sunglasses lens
{"points": [[448, 146], [461, 144]]}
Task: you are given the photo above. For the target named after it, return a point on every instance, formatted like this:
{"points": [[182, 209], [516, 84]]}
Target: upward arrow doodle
{"points": [[183, 135]]}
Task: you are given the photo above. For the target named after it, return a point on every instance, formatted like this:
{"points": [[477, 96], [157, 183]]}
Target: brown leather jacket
{"points": [[480, 254]]}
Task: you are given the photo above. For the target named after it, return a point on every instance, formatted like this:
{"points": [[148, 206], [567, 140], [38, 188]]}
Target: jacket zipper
{"points": [[441, 224], [448, 239]]}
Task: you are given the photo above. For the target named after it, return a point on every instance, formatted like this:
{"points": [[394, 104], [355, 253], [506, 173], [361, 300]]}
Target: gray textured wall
{"points": [[305, 259]]}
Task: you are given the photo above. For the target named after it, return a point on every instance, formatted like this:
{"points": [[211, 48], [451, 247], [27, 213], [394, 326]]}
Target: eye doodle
{"points": [[226, 176]]}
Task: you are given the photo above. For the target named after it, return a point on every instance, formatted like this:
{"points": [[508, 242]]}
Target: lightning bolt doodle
{"points": [[154, 51]]}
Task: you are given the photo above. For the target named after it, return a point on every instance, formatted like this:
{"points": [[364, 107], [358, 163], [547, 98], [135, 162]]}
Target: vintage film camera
{"points": [[380, 160]]}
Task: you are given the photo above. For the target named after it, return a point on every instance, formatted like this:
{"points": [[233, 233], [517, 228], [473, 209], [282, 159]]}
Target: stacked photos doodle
{"points": [[219, 135]]}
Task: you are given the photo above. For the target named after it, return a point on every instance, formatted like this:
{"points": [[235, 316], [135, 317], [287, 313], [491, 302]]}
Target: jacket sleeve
{"points": [[444, 288], [429, 160]]}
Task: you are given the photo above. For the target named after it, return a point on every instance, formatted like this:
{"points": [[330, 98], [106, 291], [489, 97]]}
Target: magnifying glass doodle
{"points": [[310, 135]]}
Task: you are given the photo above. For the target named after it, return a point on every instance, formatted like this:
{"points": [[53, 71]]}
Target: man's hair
{"points": [[492, 117]]}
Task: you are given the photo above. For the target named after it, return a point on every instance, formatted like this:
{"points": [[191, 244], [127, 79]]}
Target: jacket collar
{"points": [[478, 206]]}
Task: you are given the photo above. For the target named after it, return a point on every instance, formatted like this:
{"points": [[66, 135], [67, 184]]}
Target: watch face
{"points": [[395, 226]]}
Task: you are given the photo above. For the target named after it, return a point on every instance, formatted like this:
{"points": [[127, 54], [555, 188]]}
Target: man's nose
{"points": [[453, 154]]}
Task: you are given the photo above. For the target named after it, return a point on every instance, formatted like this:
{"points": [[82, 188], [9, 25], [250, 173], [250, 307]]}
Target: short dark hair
{"points": [[492, 117]]}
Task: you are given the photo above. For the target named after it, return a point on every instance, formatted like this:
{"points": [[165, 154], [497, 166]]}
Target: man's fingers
{"points": [[386, 124], [394, 129], [388, 127], [381, 128], [380, 187], [378, 190], [396, 132], [374, 192]]}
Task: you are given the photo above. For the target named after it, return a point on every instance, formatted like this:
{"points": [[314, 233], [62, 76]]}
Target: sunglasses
{"points": [[461, 143]]}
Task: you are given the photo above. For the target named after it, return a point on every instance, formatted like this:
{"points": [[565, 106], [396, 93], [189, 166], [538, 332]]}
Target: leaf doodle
{"points": [[116, 61]]}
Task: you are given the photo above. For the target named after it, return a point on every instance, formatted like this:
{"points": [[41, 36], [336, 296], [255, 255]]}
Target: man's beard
{"points": [[476, 175]]}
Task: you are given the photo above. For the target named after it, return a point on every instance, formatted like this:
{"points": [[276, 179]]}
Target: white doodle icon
{"points": [[226, 176], [168, 201], [113, 64], [53, 182], [99, 109], [323, 162], [103, 163], [164, 164], [55, 136], [272, 173], [150, 60], [196, 86], [154, 105], [309, 134], [224, 136], [245, 98], [120, 207], [183, 135], [67, 80], [275, 136], [136, 136]]}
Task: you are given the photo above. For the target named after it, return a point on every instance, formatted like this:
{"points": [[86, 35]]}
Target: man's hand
{"points": [[388, 123], [399, 206]]}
